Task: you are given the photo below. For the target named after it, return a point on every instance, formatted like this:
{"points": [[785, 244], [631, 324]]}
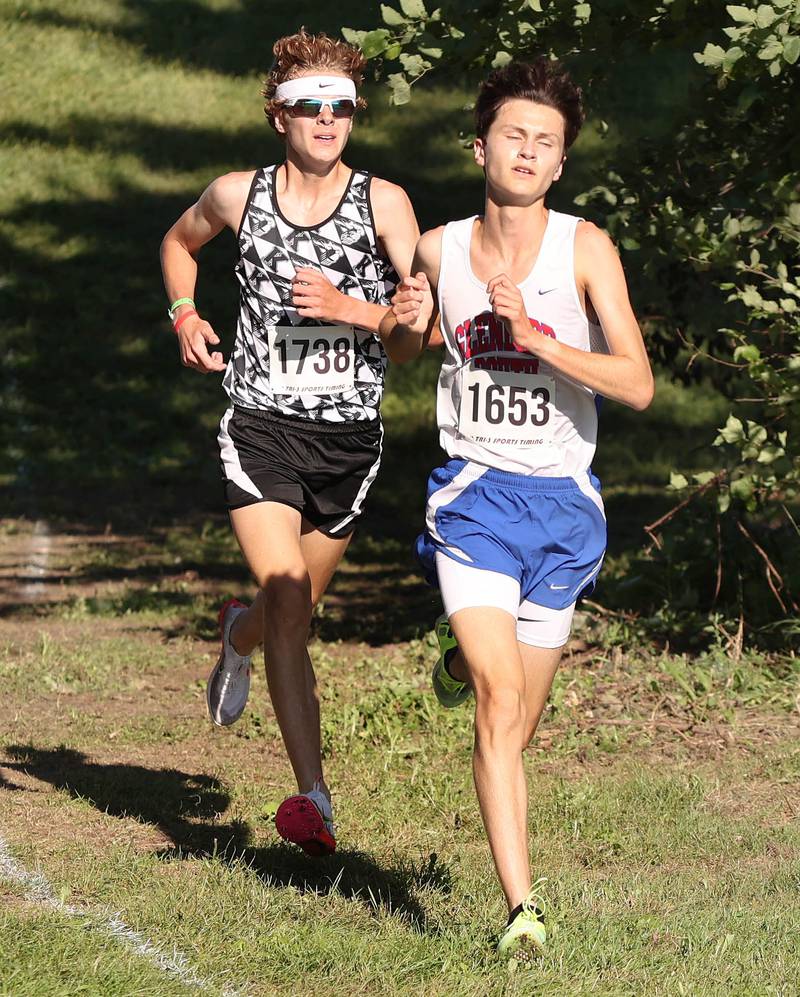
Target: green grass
{"points": [[661, 791], [671, 866], [37, 950], [340, 934]]}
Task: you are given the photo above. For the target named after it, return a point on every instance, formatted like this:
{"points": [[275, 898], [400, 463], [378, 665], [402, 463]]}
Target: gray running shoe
{"points": [[229, 682]]}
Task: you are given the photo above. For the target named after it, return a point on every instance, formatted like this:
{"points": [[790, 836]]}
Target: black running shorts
{"points": [[322, 469]]}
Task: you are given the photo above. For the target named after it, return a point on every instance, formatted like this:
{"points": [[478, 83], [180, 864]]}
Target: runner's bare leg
{"points": [[292, 569]]}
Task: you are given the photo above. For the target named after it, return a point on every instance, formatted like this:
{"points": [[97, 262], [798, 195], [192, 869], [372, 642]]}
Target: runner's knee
{"points": [[499, 712], [288, 602]]}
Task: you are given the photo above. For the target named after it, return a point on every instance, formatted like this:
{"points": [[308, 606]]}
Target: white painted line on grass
{"points": [[38, 890], [36, 568]]}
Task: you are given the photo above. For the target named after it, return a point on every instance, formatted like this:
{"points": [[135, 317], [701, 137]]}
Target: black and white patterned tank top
{"points": [[297, 366]]}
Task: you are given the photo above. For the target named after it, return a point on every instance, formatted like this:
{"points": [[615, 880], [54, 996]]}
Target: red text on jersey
{"points": [[485, 333]]}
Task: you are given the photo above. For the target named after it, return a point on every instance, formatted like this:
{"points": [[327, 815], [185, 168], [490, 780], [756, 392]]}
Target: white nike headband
{"points": [[317, 88]]}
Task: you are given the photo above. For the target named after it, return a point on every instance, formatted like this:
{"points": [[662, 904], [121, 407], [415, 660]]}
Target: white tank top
{"points": [[500, 406]]}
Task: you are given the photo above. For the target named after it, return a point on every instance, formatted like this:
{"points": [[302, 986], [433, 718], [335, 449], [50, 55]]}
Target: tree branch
{"points": [[652, 527]]}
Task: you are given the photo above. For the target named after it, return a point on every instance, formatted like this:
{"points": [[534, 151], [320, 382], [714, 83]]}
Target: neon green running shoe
{"points": [[449, 691], [525, 939]]}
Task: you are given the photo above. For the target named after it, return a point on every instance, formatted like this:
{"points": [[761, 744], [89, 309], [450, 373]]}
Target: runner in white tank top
{"points": [[535, 323]]}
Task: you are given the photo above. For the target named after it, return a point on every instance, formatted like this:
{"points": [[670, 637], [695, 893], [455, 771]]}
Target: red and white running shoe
{"points": [[307, 820]]}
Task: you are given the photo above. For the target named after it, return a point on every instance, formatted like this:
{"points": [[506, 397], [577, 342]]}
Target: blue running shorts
{"points": [[549, 534]]}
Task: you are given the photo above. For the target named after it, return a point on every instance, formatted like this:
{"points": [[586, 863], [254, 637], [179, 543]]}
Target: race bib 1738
{"points": [[507, 408], [311, 360]]}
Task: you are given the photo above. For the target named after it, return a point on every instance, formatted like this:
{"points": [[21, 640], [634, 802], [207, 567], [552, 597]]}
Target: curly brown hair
{"points": [[297, 54]]}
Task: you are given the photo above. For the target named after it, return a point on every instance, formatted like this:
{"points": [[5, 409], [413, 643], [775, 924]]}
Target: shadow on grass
{"points": [[187, 808], [171, 800], [232, 39], [351, 874]]}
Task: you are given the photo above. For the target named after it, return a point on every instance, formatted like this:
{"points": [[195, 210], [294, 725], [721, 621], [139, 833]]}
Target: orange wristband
{"points": [[182, 319]]}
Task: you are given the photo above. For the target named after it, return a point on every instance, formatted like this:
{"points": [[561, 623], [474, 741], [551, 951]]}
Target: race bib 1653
{"points": [[507, 408]]}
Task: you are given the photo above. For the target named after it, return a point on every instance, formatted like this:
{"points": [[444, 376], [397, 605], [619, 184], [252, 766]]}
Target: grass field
{"points": [[664, 809], [664, 802]]}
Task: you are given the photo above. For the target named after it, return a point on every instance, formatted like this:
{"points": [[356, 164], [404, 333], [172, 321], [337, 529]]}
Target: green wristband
{"points": [[177, 304]]}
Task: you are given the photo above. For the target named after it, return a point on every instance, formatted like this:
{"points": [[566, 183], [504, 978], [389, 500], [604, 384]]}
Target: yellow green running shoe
{"points": [[449, 691], [525, 938]]}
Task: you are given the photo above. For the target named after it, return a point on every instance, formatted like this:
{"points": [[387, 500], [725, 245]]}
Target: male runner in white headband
{"points": [[320, 249]]}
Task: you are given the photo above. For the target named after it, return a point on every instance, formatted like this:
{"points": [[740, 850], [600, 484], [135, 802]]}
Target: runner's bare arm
{"points": [[398, 236], [315, 296], [220, 205], [408, 325], [395, 223], [625, 374]]}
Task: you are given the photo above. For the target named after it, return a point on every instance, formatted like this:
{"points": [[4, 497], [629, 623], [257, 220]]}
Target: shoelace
{"points": [[533, 905]]}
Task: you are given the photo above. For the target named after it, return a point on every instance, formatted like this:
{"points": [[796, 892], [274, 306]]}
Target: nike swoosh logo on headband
{"points": [[323, 85]]}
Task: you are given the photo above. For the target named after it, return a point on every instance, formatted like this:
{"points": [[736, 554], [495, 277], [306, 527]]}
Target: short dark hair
{"points": [[544, 81]]}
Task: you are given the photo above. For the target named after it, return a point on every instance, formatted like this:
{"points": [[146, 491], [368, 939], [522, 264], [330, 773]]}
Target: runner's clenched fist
{"points": [[314, 296], [412, 304], [507, 304]]}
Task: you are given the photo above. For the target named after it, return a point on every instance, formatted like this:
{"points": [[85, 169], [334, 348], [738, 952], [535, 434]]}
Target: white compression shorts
{"points": [[465, 587]]}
